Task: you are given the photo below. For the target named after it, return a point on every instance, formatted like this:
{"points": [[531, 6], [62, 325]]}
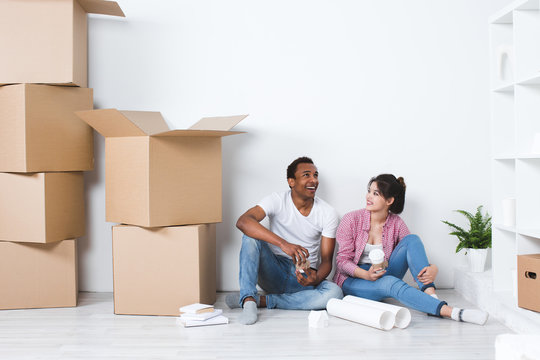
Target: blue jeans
{"points": [[408, 254], [276, 275]]}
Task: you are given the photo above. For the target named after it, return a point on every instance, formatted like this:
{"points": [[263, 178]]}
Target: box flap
{"points": [[101, 7], [198, 133], [218, 123], [113, 123], [151, 122]]}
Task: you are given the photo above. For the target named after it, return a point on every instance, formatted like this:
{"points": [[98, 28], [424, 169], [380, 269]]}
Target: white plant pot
{"points": [[477, 259]]}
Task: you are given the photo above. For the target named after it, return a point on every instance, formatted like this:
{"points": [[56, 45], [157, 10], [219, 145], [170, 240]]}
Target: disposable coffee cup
{"points": [[377, 259]]}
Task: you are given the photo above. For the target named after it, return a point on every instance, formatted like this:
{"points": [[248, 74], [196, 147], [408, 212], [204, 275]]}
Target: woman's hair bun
{"points": [[401, 181]]}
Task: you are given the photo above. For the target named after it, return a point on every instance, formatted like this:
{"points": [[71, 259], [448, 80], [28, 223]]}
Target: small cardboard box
{"points": [[528, 269], [160, 177], [39, 130], [41, 207], [45, 41], [158, 270], [38, 275]]}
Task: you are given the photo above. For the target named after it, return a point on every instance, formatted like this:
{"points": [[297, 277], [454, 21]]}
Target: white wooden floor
{"points": [[92, 331]]}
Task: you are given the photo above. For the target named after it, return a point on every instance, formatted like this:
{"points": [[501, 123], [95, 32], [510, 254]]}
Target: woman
{"points": [[378, 226]]}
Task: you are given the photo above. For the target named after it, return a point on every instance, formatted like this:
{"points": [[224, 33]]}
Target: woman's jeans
{"points": [[277, 276], [408, 254]]}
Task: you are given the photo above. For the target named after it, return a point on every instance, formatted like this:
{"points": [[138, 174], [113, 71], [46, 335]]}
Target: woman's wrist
{"points": [[359, 273]]}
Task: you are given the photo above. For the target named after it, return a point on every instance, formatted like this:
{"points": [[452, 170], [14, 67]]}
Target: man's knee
{"points": [[250, 245], [330, 290]]}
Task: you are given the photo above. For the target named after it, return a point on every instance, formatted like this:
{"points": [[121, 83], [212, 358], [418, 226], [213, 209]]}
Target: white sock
{"points": [[470, 315], [249, 313], [434, 295]]}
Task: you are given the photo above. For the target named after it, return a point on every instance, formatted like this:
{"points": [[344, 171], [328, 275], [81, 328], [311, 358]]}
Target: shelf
{"points": [[504, 157], [502, 125], [506, 88], [516, 157], [530, 80], [526, 29], [527, 113], [527, 5], [531, 232], [505, 16], [515, 135], [511, 229], [528, 156]]}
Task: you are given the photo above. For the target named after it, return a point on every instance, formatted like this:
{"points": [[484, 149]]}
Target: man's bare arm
{"points": [[250, 224]]}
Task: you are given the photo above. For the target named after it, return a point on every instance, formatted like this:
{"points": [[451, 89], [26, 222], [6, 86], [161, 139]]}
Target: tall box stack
{"points": [[44, 147], [164, 187]]}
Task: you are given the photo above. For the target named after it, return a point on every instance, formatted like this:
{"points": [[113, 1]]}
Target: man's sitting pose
{"points": [[283, 260]]}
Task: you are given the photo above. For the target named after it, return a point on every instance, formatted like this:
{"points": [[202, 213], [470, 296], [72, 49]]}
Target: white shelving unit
{"points": [[515, 121]]}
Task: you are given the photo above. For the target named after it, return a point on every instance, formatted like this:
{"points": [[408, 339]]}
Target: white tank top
{"points": [[364, 258]]}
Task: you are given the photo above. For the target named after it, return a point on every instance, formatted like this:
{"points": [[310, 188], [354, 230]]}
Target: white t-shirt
{"points": [[287, 222]]}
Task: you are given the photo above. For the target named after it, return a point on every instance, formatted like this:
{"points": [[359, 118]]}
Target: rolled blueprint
{"points": [[403, 315], [365, 315]]}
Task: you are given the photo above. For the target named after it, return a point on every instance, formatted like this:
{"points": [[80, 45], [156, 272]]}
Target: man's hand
{"points": [[373, 274], [427, 275], [298, 253], [310, 280]]}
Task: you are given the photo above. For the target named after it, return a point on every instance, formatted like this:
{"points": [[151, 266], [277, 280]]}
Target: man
{"points": [[302, 227]]}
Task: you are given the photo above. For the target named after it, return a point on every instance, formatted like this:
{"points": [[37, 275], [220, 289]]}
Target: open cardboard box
{"points": [[41, 207], [156, 271], [528, 269], [160, 177], [38, 275], [45, 41], [39, 131]]}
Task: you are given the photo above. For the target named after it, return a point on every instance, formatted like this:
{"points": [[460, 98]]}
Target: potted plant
{"points": [[476, 240]]}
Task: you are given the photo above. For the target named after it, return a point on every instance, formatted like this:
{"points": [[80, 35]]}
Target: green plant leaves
{"points": [[479, 234]]}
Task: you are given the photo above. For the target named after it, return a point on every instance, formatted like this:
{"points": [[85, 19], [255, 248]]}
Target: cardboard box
{"points": [[45, 41], [160, 177], [38, 275], [39, 130], [41, 207], [158, 270], [528, 269]]}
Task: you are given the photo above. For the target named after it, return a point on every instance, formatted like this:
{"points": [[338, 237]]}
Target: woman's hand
{"points": [[372, 274], [427, 275]]}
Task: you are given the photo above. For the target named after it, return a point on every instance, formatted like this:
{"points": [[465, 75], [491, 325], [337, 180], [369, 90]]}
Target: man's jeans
{"points": [[409, 254], [276, 275]]}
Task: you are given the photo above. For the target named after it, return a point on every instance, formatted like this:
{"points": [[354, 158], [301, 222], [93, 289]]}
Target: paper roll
{"points": [[365, 315], [402, 315]]}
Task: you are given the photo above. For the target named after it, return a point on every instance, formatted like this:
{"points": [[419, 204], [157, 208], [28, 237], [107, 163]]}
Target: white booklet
{"points": [[216, 320], [202, 316], [196, 308]]}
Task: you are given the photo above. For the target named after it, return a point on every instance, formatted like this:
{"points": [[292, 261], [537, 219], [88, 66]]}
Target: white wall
{"points": [[363, 87]]}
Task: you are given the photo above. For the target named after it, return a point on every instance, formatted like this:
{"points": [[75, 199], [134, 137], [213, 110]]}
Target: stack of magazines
{"points": [[201, 315]]}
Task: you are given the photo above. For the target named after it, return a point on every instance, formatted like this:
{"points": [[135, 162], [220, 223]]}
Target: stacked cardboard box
{"points": [[528, 269], [44, 147], [165, 187]]}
